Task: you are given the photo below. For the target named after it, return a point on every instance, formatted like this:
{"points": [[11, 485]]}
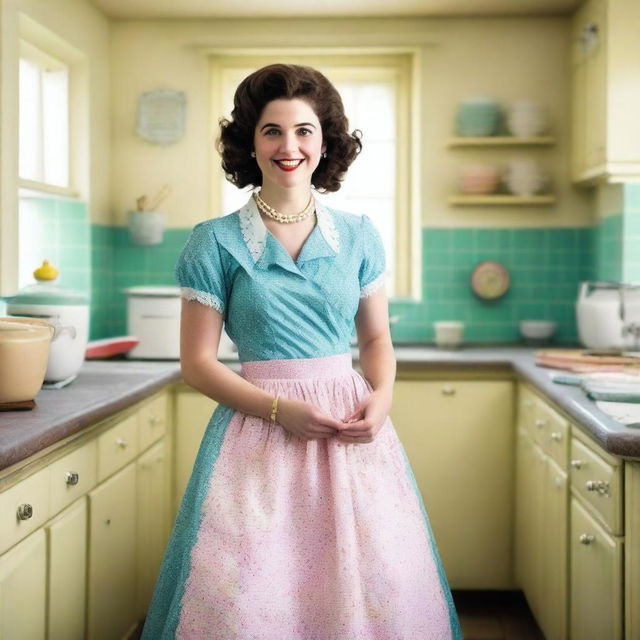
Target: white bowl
{"points": [[537, 329]]}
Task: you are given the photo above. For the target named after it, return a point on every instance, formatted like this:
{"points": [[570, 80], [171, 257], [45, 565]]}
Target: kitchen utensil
{"points": [[146, 227], [477, 116], [108, 347], [141, 203], [608, 315], [448, 333], [524, 178], [478, 179], [24, 353], [159, 198], [526, 119], [66, 310]]}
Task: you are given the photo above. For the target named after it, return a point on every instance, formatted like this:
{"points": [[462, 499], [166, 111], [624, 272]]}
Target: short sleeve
{"points": [[199, 270], [373, 266]]}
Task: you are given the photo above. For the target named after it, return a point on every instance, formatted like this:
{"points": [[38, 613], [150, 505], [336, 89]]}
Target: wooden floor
{"points": [[495, 615]]}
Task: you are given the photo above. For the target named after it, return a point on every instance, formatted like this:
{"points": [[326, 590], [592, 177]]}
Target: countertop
{"points": [[104, 387]]}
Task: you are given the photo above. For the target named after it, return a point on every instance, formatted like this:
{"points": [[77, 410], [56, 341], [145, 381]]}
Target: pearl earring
{"points": [[253, 154], [324, 154]]}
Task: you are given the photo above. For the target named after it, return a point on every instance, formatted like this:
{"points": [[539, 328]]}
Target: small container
{"points": [[449, 333], [537, 331], [146, 227]]}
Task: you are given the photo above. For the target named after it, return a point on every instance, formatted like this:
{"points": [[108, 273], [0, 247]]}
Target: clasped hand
{"points": [[361, 426]]}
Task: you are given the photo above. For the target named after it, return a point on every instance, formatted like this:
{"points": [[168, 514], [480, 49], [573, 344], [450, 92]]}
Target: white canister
{"points": [[66, 310], [153, 316], [449, 333]]}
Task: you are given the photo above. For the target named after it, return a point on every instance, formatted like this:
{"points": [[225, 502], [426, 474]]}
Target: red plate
{"points": [[107, 347]]}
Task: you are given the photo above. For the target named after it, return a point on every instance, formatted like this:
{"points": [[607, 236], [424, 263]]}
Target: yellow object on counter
{"points": [[46, 271]]}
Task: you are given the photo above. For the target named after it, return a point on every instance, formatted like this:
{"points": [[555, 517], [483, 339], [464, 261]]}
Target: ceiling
{"points": [[150, 9]]}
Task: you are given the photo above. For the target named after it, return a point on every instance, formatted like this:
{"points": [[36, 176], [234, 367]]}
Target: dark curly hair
{"points": [[287, 81]]}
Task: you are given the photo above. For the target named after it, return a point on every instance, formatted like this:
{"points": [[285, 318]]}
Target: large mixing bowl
{"points": [[24, 352]]}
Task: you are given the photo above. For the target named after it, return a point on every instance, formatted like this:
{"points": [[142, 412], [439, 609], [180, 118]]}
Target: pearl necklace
{"points": [[282, 217]]}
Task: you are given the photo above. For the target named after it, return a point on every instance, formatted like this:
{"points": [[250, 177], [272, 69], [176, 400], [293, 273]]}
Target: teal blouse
{"points": [[275, 308]]}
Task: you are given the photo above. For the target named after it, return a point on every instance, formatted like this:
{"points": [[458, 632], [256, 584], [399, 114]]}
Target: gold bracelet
{"points": [[274, 409]]}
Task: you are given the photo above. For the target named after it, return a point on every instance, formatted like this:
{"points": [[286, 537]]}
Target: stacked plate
{"points": [[477, 117], [478, 179], [526, 119]]}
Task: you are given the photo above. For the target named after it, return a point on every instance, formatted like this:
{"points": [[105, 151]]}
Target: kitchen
{"points": [[588, 231]]}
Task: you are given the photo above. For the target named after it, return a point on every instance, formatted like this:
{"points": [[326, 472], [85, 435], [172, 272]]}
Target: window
{"points": [[43, 118], [377, 95]]}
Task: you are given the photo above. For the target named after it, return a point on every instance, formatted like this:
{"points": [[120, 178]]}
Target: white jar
{"points": [[448, 333]]}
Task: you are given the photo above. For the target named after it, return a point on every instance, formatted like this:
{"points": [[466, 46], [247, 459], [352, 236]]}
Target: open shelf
{"points": [[501, 199]]}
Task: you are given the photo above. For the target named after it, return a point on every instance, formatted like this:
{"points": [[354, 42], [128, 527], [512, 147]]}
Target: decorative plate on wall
{"points": [[161, 116], [490, 280]]}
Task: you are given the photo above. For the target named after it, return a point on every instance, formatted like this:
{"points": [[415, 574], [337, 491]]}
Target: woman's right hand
{"points": [[306, 421]]}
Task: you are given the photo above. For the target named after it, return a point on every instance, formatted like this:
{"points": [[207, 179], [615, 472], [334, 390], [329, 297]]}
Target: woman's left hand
{"points": [[367, 419]]}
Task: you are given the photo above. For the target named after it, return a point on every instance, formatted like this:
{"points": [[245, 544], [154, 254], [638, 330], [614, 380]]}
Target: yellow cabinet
{"points": [[596, 578], [67, 562], [112, 556], [152, 521], [193, 412], [458, 436], [541, 519], [632, 550], [23, 589], [605, 57], [152, 418]]}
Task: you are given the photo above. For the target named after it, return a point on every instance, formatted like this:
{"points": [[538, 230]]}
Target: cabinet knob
{"points": [[601, 487], [448, 391], [556, 435], [71, 477], [577, 464], [154, 420], [540, 422], [121, 443], [586, 538], [25, 511]]}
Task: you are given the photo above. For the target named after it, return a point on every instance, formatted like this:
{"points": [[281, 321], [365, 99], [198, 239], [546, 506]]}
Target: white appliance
{"points": [[153, 316], [608, 315]]}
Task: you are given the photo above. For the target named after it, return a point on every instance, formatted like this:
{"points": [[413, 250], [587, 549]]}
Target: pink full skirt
{"points": [[313, 540]]}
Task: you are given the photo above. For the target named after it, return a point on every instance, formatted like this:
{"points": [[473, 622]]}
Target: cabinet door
{"points": [[459, 439], [632, 550], [153, 513], [23, 573], [112, 556], [525, 512], [67, 561], [193, 411], [553, 620], [596, 578]]}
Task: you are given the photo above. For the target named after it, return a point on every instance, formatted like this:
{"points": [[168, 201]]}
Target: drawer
{"points": [[24, 507], [152, 421], [599, 484], [117, 447], [555, 434], [73, 476]]}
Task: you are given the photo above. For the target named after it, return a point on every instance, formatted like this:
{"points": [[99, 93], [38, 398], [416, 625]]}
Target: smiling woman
{"points": [[302, 518]]}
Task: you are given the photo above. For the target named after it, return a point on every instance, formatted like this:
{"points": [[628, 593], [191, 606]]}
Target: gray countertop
{"points": [[103, 388]]}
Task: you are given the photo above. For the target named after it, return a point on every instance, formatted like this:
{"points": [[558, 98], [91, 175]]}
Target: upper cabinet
{"points": [[606, 98]]}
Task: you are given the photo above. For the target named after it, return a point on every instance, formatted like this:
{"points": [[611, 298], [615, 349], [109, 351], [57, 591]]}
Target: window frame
{"points": [[405, 64]]}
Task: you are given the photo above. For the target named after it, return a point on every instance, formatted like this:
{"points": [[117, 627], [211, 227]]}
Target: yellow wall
{"points": [[506, 58]]}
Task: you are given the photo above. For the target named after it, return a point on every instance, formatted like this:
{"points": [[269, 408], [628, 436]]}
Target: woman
{"points": [[301, 520]]}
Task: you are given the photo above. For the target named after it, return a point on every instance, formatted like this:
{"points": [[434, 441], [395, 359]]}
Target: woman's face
{"points": [[288, 143]]}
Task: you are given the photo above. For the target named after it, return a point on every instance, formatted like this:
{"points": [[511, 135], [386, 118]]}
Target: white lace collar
{"points": [[254, 231]]}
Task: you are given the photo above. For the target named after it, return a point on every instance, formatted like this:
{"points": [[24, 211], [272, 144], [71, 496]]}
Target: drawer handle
{"points": [[121, 443], [25, 511], [587, 538], [448, 391], [154, 420], [577, 464], [540, 423], [601, 487], [71, 477], [556, 435]]}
